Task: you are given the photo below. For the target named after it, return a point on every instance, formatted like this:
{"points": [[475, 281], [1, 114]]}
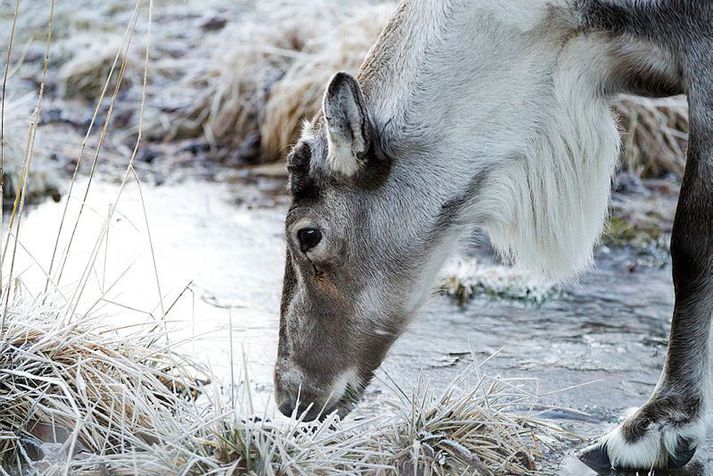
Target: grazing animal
{"points": [[493, 113]]}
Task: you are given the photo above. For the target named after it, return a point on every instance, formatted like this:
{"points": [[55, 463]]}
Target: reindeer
{"points": [[493, 113]]}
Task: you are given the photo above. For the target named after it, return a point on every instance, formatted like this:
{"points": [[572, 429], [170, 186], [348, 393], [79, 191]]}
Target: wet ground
{"points": [[593, 353]]}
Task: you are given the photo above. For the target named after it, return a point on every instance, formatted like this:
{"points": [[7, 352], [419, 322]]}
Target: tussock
{"points": [[219, 88], [470, 428], [245, 89], [66, 390], [233, 85], [84, 75]]}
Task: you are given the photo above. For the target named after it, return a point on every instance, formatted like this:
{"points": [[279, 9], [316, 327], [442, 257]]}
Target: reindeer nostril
{"points": [[287, 407], [306, 411]]}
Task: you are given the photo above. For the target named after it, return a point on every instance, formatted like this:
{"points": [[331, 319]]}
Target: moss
{"points": [[622, 232]]}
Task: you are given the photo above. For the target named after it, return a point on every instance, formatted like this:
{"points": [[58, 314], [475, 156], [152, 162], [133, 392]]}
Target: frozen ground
{"points": [[591, 353]]}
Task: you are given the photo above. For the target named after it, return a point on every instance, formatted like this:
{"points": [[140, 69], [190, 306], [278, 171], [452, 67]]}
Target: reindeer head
{"points": [[357, 251]]}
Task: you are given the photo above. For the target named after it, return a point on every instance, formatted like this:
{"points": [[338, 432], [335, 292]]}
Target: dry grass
{"points": [[80, 389], [83, 398], [655, 134], [85, 73], [471, 427], [251, 98], [246, 88], [42, 180], [298, 95], [459, 431]]}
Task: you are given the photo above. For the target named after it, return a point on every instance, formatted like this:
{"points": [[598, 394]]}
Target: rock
{"points": [[214, 23]]}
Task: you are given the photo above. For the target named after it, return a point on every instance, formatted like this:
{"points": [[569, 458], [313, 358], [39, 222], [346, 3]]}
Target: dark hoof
{"points": [[595, 456], [684, 454]]}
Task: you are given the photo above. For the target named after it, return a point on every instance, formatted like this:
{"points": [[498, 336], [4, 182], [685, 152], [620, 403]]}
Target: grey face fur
{"points": [[323, 336], [344, 297]]}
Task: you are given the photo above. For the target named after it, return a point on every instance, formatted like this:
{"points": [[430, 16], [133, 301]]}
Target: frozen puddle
{"points": [[215, 263]]}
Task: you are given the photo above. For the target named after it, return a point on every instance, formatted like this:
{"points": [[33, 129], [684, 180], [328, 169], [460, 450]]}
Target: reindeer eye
{"points": [[308, 238]]}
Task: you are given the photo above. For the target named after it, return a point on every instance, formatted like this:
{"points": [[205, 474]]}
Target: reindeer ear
{"points": [[348, 125]]}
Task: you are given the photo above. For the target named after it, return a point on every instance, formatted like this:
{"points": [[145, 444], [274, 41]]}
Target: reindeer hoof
{"points": [[685, 449], [595, 456]]}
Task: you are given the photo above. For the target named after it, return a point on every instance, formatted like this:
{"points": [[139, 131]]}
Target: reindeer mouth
{"points": [[350, 399], [342, 407]]}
